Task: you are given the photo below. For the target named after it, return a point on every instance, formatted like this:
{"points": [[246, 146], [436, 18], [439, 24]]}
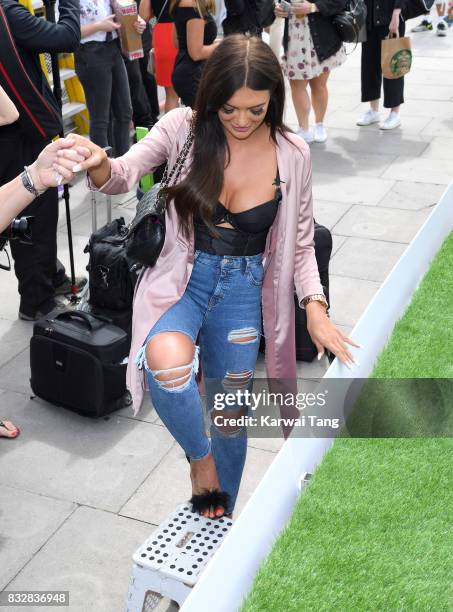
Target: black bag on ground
{"points": [[416, 8], [76, 361], [112, 273], [305, 349]]}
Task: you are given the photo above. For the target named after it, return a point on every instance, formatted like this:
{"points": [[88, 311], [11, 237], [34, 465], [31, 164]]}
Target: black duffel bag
{"points": [[77, 361], [305, 348], [112, 273]]}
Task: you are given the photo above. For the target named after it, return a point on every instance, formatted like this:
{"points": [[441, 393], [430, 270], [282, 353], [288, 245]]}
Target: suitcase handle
{"points": [[75, 314]]}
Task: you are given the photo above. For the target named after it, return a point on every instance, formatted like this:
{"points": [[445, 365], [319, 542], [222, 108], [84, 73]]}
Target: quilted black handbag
{"points": [[146, 234], [351, 22]]}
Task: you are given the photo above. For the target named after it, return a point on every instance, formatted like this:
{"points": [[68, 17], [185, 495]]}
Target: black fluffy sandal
{"points": [[204, 501]]}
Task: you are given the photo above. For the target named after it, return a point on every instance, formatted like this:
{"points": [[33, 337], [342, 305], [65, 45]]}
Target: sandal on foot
{"points": [[14, 432], [204, 501]]}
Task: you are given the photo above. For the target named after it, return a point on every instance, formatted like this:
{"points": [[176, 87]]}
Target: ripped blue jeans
{"points": [[221, 307]]}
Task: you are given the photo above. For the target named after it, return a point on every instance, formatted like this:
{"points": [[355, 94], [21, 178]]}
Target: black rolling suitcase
{"points": [[305, 349], [78, 361]]}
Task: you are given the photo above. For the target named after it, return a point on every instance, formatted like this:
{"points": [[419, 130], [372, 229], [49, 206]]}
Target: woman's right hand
{"points": [[108, 24], [96, 162]]}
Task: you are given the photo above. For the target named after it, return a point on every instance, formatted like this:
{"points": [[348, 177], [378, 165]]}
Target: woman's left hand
{"points": [[300, 9], [46, 171], [140, 25], [326, 335]]}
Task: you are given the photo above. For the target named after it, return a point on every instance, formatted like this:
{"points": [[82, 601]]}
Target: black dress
{"points": [[187, 72]]}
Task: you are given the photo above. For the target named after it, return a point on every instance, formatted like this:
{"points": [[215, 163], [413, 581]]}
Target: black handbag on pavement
{"points": [[351, 22], [77, 361], [305, 349], [146, 234]]}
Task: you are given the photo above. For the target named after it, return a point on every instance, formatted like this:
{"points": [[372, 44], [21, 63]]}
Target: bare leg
{"points": [[319, 96], [301, 101]]}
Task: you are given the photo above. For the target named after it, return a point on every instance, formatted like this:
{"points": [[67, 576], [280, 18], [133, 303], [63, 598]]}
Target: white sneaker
{"points": [[320, 133], [369, 117], [392, 121], [306, 135]]}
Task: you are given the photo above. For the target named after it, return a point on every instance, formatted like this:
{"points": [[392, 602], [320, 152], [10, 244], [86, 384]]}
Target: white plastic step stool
{"points": [[170, 561]]}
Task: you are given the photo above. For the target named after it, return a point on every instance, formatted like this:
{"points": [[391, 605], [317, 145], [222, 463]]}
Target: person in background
{"points": [[382, 19], [426, 24], [45, 172], [312, 49], [8, 111], [243, 16], [196, 32], [41, 276], [101, 70], [163, 45], [149, 80]]}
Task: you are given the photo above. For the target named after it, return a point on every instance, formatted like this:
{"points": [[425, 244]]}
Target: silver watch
{"points": [[27, 182]]}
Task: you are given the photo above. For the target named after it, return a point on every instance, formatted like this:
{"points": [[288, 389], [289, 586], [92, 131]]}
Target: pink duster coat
{"points": [[289, 257]]}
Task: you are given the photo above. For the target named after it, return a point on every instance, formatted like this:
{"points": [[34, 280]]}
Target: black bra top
{"points": [[252, 221]]}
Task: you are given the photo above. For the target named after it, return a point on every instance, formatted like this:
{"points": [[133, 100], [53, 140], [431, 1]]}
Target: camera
{"points": [[18, 229]]}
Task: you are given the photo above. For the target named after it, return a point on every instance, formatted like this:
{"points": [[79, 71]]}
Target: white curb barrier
{"points": [[229, 576]]}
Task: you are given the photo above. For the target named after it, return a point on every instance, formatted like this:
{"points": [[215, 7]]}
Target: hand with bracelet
{"points": [[45, 172], [300, 9], [324, 333]]}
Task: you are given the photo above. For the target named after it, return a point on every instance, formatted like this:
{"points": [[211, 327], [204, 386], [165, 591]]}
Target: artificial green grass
{"points": [[374, 529]]}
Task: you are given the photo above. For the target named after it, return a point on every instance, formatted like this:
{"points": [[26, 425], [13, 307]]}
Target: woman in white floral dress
{"points": [[312, 49]]}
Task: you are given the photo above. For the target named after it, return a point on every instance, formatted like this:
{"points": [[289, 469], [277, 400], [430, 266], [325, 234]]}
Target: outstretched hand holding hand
{"points": [[46, 171]]}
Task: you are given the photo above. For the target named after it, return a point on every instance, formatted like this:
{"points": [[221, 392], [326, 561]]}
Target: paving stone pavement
{"points": [[79, 496]]}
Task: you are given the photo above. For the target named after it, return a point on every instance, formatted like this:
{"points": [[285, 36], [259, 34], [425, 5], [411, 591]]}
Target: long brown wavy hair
{"points": [[239, 61]]}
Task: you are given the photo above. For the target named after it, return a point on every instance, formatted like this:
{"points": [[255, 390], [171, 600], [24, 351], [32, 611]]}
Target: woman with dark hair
{"points": [[239, 233]]}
